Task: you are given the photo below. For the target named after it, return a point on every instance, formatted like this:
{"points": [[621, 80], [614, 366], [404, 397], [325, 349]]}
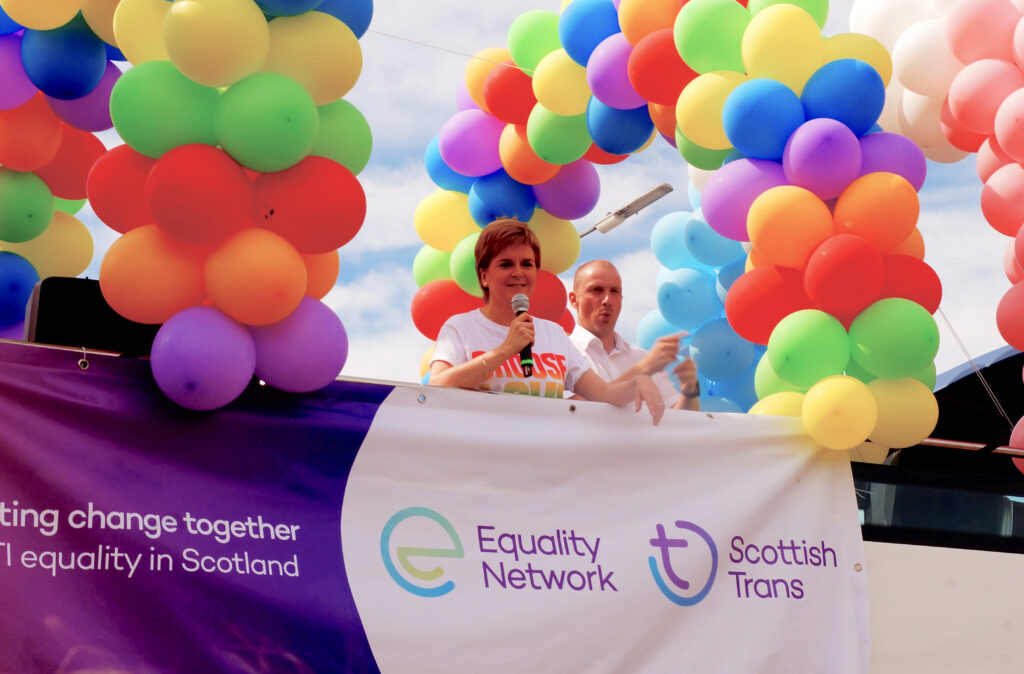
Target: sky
{"points": [[414, 58]]}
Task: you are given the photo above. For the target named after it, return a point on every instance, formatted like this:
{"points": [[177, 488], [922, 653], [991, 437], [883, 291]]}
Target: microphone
{"points": [[520, 305]]}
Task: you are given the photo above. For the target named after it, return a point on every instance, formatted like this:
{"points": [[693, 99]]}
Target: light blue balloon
{"points": [[728, 274], [707, 245], [693, 194], [498, 195], [584, 24], [689, 299], [718, 404], [739, 390], [668, 244], [652, 326], [719, 353], [443, 175]]}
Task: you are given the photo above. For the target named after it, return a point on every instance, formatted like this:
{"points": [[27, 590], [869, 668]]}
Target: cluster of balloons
{"points": [[55, 82], [234, 189]]}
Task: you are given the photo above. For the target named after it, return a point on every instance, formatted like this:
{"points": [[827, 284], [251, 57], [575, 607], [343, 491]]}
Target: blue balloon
{"points": [[498, 195], [719, 353], [652, 326], [7, 26], [584, 24], [668, 244], [66, 62], [706, 245], [847, 90], [728, 274], [355, 14], [693, 194], [443, 175], [618, 131], [733, 155], [688, 299], [287, 7], [718, 404], [17, 279], [739, 390], [113, 53], [759, 116]]}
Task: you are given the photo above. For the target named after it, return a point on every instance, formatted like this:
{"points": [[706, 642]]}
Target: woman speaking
{"points": [[484, 349]]}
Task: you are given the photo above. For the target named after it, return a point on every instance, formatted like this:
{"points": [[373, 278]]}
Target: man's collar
{"points": [[584, 338]]}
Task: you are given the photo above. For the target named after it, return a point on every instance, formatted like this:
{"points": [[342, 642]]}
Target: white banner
{"points": [[487, 533]]}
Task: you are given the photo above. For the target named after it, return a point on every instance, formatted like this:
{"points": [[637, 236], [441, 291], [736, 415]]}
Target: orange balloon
{"points": [[147, 277], [639, 18], [520, 161], [29, 135], [256, 277], [913, 246], [664, 118], [477, 70], [99, 14], [880, 207], [321, 273], [754, 260], [787, 223]]}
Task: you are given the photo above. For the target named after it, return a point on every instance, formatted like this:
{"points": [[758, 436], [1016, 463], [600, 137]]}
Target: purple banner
{"points": [[137, 536]]}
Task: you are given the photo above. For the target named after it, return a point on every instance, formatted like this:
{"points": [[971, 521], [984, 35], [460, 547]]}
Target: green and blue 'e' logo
{"points": [[403, 553]]}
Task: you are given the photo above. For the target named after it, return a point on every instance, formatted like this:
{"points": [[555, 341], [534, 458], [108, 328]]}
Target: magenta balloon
{"points": [[822, 156], [468, 142], [92, 111], [201, 359], [729, 192], [15, 86], [305, 351], [572, 193], [893, 153], [608, 74]]}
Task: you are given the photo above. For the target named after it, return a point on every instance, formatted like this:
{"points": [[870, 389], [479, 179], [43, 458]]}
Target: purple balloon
{"points": [[15, 332], [893, 153], [201, 359], [463, 101], [729, 192], [608, 74], [572, 193], [15, 87], [468, 142], [822, 156], [303, 352], [92, 111]]}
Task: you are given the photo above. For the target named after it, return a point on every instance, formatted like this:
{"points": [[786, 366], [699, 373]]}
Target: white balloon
{"points": [[922, 59], [919, 119], [886, 20], [699, 177], [889, 119], [946, 154]]}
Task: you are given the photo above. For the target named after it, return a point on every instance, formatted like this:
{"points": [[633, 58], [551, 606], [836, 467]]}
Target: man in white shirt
{"points": [[597, 298]]}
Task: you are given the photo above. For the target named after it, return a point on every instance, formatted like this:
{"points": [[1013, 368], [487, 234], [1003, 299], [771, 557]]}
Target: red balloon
{"points": [[1002, 199], [549, 298], [508, 92], [762, 297], [318, 204], [567, 322], [596, 155], [1010, 316], [844, 274], [437, 301], [656, 70], [1011, 265], [117, 188], [955, 132], [67, 172], [29, 135], [990, 158], [912, 279], [198, 194]]}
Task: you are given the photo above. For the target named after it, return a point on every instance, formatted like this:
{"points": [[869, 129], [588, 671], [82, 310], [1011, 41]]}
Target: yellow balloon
{"points": [[560, 84], [216, 42], [907, 412], [99, 14], [783, 43], [559, 241], [316, 50], [425, 360], [479, 67], [64, 248], [443, 219], [782, 404], [839, 412], [699, 108], [139, 29], [41, 14], [862, 47]]}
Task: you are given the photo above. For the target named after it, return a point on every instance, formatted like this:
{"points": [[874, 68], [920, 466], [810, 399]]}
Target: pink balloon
{"points": [[981, 29], [978, 89], [1018, 246], [468, 142], [1018, 44], [990, 158], [1010, 316], [1009, 125], [1014, 272], [572, 193], [729, 192], [15, 86], [955, 132], [1002, 199], [893, 153], [92, 111], [305, 351], [608, 74]]}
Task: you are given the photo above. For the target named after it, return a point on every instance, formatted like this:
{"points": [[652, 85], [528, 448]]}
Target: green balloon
{"points": [[925, 376], [816, 8], [766, 382], [70, 206], [266, 122], [699, 156], [708, 34], [430, 264], [463, 265], [155, 108], [344, 135], [557, 139], [853, 369], [894, 338], [808, 345], [26, 206], [532, 36]]}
